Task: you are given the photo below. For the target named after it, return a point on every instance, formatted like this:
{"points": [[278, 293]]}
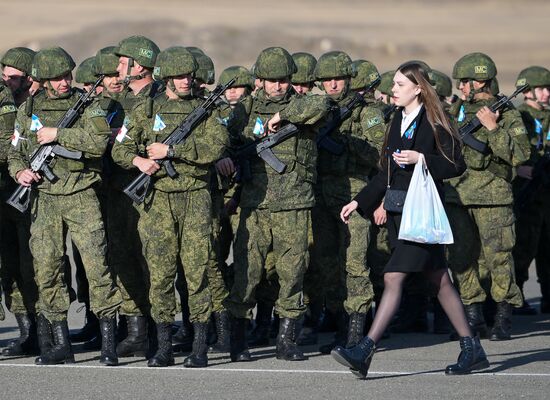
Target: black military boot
{"points": [[60, 352], [183, 338], [164, 355], [287, 349], [44, 333], [476, 320], [309, 334], [89, 331], [108, 355], [223, 329], [503, 322], [136, 343], [471, 358], [340, 337], [27, 343], [198, 357], [260, 334], [357, 323], [357, 358], [239, 349]]}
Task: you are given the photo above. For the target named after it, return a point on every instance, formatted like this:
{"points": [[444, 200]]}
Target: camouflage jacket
{"points": [[341, 177], [293, 189], [537, 123], [8, 112], [487, 180], [89, 134], [193, 158]]}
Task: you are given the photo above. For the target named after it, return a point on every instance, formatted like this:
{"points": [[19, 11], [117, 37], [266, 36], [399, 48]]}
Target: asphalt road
{"points": [[407, 366]]}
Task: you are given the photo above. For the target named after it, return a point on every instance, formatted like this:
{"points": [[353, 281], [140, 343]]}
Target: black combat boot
{"points": [[89, 331], [260, 334], [60, 352], [309, 334], [357, 358], [108, 355], [45, 335], [357, 323], [287, 349], [198, 357], [164, 355], [239, 349], [223, 329], [503, 322], [183, 338], [471, 358], [341, 335], [476, 320], [136, 343], [27, 342]]}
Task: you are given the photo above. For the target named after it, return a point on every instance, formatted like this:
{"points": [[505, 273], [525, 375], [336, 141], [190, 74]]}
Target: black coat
{"points": [[422, 141]]}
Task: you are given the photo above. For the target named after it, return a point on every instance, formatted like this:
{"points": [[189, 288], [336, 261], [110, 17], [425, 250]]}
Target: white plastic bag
{"points": [[424, 219]]}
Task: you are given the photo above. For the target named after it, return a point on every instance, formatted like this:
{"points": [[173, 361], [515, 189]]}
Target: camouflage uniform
{"points": [[275, 208], [533, 223], [479, 203]]}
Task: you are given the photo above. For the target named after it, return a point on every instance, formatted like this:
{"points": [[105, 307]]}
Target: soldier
{"points": [[479, 203], [175, 218], [16, 267], [339, 251], [85, 75], [136, 60], [532, 186], [275, 208], [68, 203], [304, 79]]}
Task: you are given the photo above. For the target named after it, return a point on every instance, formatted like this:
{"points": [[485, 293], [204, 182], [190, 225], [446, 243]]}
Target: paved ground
{"points": [[406, 367]]}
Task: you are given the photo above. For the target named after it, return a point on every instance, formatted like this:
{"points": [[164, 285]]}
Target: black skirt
{"points": [[411, 256]]}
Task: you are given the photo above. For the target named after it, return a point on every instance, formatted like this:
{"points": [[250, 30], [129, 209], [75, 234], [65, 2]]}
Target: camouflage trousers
{"points": [[79, 213], [125, 254], [378, 255], [483, 240], [533, 230], [339, 260], [285, 234], [16, 263], [216, 282], [171, 226]]}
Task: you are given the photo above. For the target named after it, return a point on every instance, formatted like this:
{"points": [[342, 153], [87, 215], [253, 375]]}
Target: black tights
{"points": [[391, 299]]}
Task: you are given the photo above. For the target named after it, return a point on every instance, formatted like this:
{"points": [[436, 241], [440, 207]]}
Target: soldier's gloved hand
{"points": [[525, 171], [46, 135], [225, 167], [488, 118], [157, 151], [380, 216], [145, 165], [26, 177], [273, 123]]}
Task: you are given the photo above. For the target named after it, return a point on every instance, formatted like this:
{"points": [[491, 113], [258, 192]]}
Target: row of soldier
{"points": [[291, 253]]}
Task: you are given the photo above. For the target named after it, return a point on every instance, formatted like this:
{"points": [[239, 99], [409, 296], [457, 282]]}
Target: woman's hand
{"points": [[347, 210], [406, 157], [380, 216]]}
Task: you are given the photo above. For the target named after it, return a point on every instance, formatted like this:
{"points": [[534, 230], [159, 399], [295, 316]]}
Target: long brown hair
{"points": [[417, 73]]}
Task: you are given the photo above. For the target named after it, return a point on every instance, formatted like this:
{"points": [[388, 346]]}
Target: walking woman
{"points": [[420, 126]]}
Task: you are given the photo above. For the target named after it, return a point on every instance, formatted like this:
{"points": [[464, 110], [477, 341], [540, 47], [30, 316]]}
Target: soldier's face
{"points": [[301, 88], [464, 86], [404, 91], [122, 68], [183, 84], [276, 88], [334, 86], [542, 94], [14, 78], [62, 84], [233, 95], [112, 84]]}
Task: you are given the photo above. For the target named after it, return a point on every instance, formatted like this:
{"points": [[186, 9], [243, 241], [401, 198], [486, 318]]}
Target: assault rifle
{"points": [[467, 130], [43, 156], [138, 188], [323, 138], [263, 149]]}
